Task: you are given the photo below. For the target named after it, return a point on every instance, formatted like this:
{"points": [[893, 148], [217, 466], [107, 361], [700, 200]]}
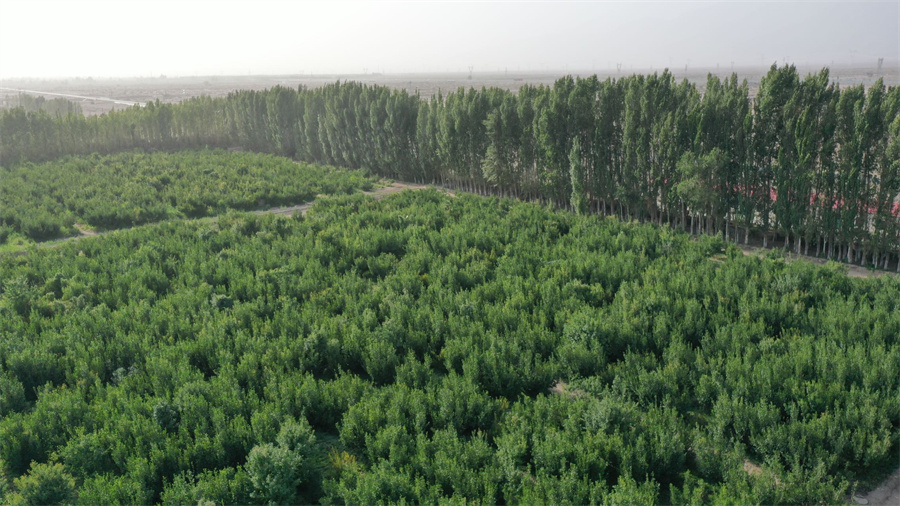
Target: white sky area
{"points": [[124, 38]]}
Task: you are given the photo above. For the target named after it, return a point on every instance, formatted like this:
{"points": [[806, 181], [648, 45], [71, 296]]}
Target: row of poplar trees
{"points": [[804, 161]]}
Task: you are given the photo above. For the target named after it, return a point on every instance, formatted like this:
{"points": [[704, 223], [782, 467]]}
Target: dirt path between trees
{"points": [[85, 230], [855, 271], [377, 193], [398, 186], [886, 494]]}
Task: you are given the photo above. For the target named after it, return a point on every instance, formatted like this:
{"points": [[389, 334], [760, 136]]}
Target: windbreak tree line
{"points": [[425, 349], [804, 162], [46, 201]]}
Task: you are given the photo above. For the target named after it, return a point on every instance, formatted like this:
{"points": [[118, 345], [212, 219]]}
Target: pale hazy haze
{"points": [[44, 38]]}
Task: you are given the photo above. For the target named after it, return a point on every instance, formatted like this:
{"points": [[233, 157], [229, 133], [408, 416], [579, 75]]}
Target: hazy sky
{"points": [[44, 38]]}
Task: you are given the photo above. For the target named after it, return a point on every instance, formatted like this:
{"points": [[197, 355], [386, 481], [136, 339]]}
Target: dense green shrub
{"points": [[427, 348], [45, 201]]}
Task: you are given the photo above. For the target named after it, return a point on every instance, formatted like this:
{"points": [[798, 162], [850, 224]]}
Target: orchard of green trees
{"points": [[426, 348], [805, 162], [45, 201]]}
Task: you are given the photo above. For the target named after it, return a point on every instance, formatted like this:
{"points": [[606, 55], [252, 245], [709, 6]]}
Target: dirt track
{"points": [[377, 193], [854, 271], [398, 186], [887, 494]]}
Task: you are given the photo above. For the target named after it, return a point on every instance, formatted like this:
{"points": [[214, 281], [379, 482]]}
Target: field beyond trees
{"points": [[427, 348]]}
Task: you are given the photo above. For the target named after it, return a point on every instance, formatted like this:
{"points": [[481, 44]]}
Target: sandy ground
{"points": [[886, 494], [85, 230], [377, 193]]}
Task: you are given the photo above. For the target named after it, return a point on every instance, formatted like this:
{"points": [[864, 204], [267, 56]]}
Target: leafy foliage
{"points": [[108, 192], [427, 348], [804, 161], [44, 484]]}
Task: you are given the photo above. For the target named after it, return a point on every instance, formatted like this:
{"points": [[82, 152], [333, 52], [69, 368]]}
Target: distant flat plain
{"points": [[177, 89]]}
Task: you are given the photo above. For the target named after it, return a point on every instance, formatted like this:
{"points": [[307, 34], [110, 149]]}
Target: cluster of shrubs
{"points": [[426, 348]]}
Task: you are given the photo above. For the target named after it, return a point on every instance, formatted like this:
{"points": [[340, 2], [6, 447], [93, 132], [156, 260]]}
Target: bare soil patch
{"points": [[377, 193], [755, 470], [85, 230], [886, 494], [563, 388]]}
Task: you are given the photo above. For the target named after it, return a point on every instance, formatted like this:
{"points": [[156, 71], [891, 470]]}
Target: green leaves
{"points": [[700, 176], [804, 159], [577, 176], [45, 201], [274, 473], [444, 349], [44, 484]]}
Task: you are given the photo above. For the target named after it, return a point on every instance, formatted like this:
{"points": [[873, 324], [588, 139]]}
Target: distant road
{"points": [[101, 99]]}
